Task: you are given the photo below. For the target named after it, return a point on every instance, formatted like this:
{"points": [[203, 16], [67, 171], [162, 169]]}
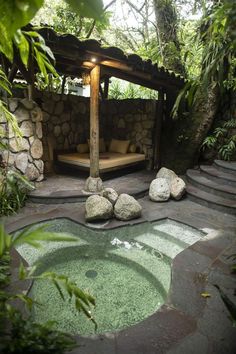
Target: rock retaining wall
{"points": [[25, 154]]}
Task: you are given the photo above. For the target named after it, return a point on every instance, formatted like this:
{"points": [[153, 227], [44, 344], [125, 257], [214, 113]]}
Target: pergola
{"points": [[74, 58]]}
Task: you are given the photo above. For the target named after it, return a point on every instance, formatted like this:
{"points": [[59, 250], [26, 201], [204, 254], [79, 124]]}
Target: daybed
{"points": [[108, 161], [118, 157]]}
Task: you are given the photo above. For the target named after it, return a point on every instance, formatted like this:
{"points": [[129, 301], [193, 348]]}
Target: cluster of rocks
{"points": [[166, 184], [25, 154], [109, 203]]}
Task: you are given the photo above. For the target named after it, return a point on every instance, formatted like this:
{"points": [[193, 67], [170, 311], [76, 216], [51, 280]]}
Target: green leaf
{"points": [[22, 271], [14, 15], [23, 46], [89, 8], [35, 236], [41, 64]]}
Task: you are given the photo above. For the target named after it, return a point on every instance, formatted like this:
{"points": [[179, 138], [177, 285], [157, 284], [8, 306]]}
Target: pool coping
{"points": [[178, 325]]}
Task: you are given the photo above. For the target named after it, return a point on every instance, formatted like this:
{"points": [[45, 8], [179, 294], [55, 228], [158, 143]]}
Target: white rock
{"points": [[26, 128], [21, 161], [159, 190], [36, 149], [98, 208], [177, 188], [110, 194], [166, 173], [127, 208], [18, 144]]}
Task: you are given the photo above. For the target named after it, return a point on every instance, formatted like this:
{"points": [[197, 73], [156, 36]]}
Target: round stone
{"points": [[26, 128], [21, 114], [159, 190], [32, 172], [98, 208], [36, 149], [21, 161]]}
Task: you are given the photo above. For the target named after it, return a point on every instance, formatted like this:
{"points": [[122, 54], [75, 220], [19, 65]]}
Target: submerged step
{"points": [[184, 233], [207, 184], [169, 237]]}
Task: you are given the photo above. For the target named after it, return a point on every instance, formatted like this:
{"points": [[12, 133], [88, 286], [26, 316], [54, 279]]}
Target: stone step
{"points": [[210, 200], [226, 166], [207, 184], [217, 174]]}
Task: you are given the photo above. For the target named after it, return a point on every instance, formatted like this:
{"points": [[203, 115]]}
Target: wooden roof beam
{"points": [[142, 81]]}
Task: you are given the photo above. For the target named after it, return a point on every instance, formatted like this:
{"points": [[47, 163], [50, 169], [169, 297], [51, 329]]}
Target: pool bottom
{"points": [[125, 291]]}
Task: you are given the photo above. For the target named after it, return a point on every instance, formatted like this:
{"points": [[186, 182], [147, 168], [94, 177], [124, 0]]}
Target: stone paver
{"points": [[188, 323]]}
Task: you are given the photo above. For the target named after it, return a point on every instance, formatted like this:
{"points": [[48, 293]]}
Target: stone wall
{"points": [[24, 154], [131, 119], [66, 123]]}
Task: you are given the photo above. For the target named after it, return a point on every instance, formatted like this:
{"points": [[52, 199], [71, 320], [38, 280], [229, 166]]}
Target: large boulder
{"points": [[98, 208], [127, 208], [110, 194], [159, 190], [177, 188], [166, 173]]}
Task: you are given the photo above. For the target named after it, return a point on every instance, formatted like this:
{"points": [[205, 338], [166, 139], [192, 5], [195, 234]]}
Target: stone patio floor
{"points": [[187, 323], [69, 188]]}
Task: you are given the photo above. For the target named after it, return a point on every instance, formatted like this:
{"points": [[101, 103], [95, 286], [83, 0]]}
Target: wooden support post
{"points": [[94, 121], [157, 131]]}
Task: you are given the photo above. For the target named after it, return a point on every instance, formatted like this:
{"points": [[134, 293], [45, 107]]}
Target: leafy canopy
{"points": [[16, 14]]}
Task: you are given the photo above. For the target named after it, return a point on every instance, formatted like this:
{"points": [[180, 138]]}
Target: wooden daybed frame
{"points": [[108, 161]]}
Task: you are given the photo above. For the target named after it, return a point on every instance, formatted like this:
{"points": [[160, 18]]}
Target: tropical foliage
{"points": [[223, 141], [18, 333]]}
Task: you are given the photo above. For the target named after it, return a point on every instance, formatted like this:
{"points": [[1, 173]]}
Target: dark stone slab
{"points": [[104, 344], [195, 343], [156, 334]]}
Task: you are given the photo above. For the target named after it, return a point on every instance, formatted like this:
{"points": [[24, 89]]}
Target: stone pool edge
{"points": [[177, 325]]}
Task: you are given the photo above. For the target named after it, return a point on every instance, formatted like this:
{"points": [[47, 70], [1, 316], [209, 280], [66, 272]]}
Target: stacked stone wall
{"points": [[61, 122], [132, 119], [25, 154], [66, 123]]}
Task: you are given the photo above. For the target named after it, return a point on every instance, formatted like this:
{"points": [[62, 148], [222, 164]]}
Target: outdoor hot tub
{"points": [[127, 270]]}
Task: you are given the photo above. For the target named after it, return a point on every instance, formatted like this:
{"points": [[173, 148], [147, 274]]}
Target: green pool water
{"points": [[123, 269]]}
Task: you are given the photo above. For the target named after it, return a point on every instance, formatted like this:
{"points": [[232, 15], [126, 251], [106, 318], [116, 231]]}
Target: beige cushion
{"points": [[120, 146], [132, 148], [102, 146], [82, 148]]}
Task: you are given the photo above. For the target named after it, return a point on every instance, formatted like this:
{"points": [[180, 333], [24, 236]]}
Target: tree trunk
{"points": [[166, 28]]}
